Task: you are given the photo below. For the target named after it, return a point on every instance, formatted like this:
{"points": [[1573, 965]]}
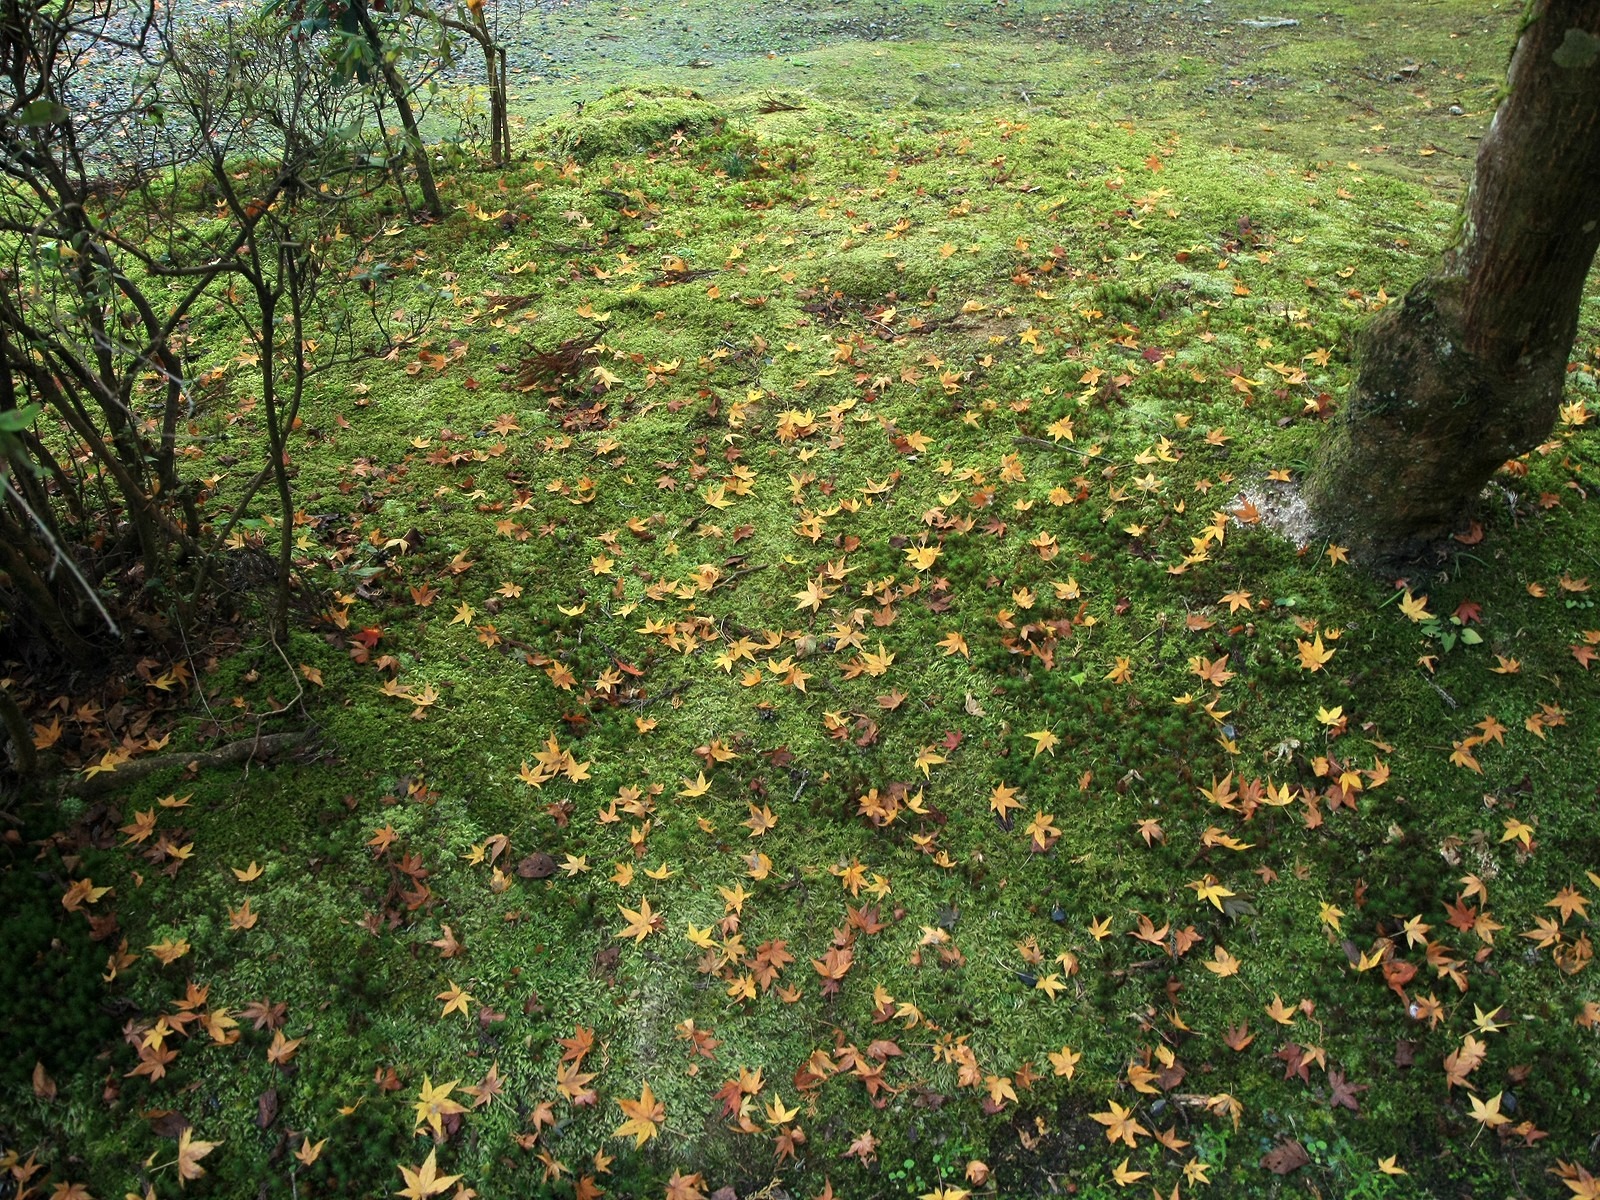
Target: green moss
{"points": [[1096, 243], [630, 120], [54, 1003]]}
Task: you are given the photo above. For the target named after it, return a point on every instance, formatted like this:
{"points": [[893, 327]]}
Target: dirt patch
{"points": [[1039, 1150]]}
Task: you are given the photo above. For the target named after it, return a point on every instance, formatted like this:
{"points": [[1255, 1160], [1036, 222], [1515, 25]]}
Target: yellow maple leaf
{"points": [[929, 756], [641, 924], [1002, 799], [1313, 657], [645, 1117], [455, 1000], [777, 1114], [307, 1152], [190, 1152], [1225, 964], [1487, 1112], [1209, 889], [1124, 1176], [424, 1181], [1044, 739], [433, 1104], [1065, 1061], [1121, 1125], [1517, 831], [1414, 608]]}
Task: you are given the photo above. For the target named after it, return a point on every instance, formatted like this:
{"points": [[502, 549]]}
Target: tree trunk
{"points": [[24, 758], [494, 61], [408, 119], [1467, 371]]}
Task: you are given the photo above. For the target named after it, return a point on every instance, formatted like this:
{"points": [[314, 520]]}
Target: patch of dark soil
{"points": [[1038, 1150]]}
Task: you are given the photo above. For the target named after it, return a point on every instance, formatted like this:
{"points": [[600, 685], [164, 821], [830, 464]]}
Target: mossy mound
{"points": [[630, 121]]}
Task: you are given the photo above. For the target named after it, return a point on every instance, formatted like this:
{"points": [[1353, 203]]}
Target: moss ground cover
{"points": [[806, 695]]}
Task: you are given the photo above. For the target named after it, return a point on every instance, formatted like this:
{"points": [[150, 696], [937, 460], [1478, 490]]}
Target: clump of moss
{"points": [[630, 120]]}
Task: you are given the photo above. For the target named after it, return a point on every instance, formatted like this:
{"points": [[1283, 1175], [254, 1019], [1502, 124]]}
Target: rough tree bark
{"points": [[1467, 371]]}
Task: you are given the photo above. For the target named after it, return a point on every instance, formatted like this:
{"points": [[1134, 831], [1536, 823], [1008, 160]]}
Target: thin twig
{"points": [[1023, 439]]}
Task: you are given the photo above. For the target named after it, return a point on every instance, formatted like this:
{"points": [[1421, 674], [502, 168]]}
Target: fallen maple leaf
{"points": [[1065, 1061], [864, 1147], [455, 1000], [1225, 964], [686, 1187], [1002, 800], [1414, 608], [1044, 739], [243, 917], [1312, 655], [433, 1104], [1235, 601], [1487, 1112], [1124, 1176], [307, 1152], [1279, 1011], [282, 1049], [168, 951], [641, 924], [1121, 1124], [424, 1181], [645, 1117], [190, 1152], [1287, 1157]]}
